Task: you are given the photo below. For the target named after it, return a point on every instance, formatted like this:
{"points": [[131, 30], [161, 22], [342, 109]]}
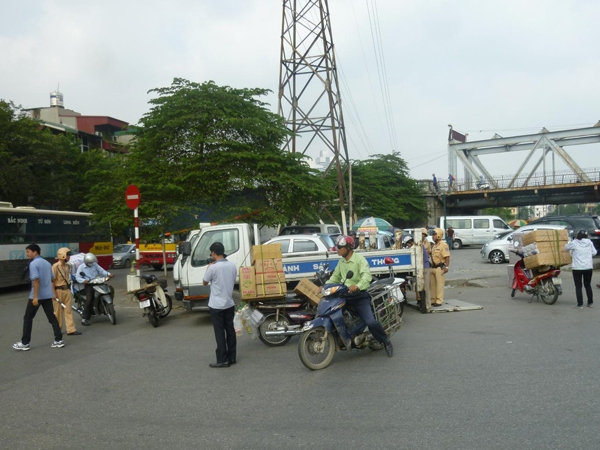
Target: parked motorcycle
{"points": [[102, 302], [285, 318], [333, 328], [545, 285], [154, 300]]}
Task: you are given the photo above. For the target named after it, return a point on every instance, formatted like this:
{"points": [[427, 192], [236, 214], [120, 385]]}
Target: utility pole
{"points": [[309, 94]]}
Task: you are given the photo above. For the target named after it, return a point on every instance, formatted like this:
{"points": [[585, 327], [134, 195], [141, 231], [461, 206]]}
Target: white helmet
{"points": [[407, 239], [90, 259]]}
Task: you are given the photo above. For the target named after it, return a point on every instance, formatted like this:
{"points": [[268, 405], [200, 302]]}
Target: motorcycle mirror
{"points": [[349, 275], [209, 260], [82, 274]]}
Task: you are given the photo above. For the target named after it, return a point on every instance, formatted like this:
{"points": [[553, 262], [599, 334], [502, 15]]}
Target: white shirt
{"points": [[221, 275], [582, 251]]}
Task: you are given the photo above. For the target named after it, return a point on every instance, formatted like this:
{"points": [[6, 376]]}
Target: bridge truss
{"points": [[538, 147]]}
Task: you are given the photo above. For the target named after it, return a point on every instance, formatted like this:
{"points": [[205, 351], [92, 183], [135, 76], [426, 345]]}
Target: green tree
{"points": [[38, 168], [504, 213], [383, 188], [210, 148]]}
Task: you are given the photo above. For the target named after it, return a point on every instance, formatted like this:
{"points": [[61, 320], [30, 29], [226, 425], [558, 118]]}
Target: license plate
{"points": [[155, 261], [556, 281], [145, 304]]}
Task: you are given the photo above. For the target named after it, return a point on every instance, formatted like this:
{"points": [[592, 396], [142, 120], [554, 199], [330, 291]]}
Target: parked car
{"points": [[300, 244], [574, 223], [472, 230], [310, 229], [497, 250], [123, 255]]}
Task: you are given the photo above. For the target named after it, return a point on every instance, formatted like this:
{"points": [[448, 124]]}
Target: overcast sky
{"points": [[506, 67]]}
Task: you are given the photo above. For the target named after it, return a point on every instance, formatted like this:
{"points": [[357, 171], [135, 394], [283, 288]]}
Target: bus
{"points": [[51, 230]]}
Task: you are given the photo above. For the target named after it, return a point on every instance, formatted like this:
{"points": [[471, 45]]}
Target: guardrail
{"points": [[503, 181]]}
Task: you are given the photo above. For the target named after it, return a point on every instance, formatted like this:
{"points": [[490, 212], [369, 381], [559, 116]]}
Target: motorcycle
{"points": [[154, 300], [333, 328], [102, 302], [483, 185], [284, 319], [545, 285]]}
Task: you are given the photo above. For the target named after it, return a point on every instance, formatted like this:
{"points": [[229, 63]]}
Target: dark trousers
{"points": [[586, 276], [30, 313], [222, 320], [89, 302], [361, 304]]}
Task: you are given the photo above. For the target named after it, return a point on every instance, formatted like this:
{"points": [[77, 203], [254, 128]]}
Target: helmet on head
{"points": [[407, 239], [582, 234], [439, 233], [424, 231], [63, 253], [344, 241], [90, 259]]}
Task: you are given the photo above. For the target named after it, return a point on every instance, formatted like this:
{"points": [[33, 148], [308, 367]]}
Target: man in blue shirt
{"points": [[221, 275], [42, 293]]}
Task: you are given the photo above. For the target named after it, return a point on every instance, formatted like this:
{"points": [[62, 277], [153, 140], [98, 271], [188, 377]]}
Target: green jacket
{"points": [[359, 266]]}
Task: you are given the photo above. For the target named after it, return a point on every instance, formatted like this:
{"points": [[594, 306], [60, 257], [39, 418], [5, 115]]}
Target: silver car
{"points": [[123, 255], [497, 250]]}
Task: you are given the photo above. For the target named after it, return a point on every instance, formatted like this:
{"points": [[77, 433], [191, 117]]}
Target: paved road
{"points": [[513, 375]]}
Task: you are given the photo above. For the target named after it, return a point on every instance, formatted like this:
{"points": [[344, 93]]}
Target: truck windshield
{"points": [[229, 238]]}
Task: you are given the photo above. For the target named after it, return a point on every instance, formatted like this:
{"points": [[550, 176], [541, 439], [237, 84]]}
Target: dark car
{"points": [[575, 223]]}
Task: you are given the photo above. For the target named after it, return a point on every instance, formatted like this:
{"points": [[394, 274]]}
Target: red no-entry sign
{"points": [[132, 196]]}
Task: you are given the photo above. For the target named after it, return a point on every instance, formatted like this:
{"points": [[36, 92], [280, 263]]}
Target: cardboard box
{"points": [[268, 265], [268, 251], [547, 259], [247, 282], [310, 290], [263, 290], [270, 277], [546, 236]]}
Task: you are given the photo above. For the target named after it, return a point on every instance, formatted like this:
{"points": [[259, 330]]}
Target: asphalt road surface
{"points": [[514, 375]]}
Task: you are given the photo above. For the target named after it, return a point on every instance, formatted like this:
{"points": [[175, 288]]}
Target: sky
{"points": [[484, 66]]}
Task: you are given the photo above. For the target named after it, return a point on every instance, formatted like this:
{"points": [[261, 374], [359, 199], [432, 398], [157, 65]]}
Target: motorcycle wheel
{"points": [[110, 312], [311, 355], [168, 307], [552, 293], [152, 317], [270, 324]]}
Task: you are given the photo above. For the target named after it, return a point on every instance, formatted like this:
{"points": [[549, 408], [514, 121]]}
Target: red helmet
{"points": [[344, 241]]}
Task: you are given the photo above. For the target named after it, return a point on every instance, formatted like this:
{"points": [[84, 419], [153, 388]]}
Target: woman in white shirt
{"points": [[582, 250]]}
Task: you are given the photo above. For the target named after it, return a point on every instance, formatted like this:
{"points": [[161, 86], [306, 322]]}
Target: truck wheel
{"points": [[456, 244], [157, 266]]}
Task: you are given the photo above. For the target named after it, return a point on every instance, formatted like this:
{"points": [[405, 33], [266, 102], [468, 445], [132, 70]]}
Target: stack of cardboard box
{"points": [[309, 290], [551, 247], [265, 278]]}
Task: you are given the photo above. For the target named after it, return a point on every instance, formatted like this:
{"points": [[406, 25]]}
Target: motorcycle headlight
{"points": [[329, 291]]}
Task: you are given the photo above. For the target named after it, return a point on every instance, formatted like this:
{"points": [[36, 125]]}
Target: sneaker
{"points": [[58, 344], [590, 305], [578, 306], [20, 346]]}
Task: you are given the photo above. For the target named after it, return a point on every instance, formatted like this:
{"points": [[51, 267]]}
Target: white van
{"points": [[473, 230]]}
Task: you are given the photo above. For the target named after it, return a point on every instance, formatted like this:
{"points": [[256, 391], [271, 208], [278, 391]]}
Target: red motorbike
{"points": [[543, 284]]}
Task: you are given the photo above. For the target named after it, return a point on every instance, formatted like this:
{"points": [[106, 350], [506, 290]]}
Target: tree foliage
{"points": [[383, 188], [39, 168], [212, 149]]}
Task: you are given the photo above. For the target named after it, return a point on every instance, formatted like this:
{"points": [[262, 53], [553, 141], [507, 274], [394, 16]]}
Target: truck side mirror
{"points": [[186, 249]]}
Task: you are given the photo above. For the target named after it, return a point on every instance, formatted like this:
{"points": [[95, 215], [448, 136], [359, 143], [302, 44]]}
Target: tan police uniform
{"points": [[439, 253], [62, 285]]}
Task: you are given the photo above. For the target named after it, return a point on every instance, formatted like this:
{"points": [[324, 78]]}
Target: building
{"points": [[93, 132]]}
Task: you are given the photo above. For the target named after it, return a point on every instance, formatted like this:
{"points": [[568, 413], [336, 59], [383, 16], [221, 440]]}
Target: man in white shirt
{"points": [[221, 275]]}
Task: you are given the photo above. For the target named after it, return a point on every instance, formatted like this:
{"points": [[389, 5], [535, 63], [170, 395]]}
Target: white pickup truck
{"points": [[238, 239]]}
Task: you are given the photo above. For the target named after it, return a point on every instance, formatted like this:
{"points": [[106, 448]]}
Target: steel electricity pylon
{"points": [[309, 94]]}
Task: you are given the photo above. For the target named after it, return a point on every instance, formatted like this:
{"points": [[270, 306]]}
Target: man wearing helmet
{"points": [[62, 284], [440, 263], [408, 242], [582, 250], [360, 281], [88, 270]]}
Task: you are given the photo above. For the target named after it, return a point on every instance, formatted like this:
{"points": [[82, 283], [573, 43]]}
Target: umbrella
{"points": [[517, 223], [381, 224]]}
